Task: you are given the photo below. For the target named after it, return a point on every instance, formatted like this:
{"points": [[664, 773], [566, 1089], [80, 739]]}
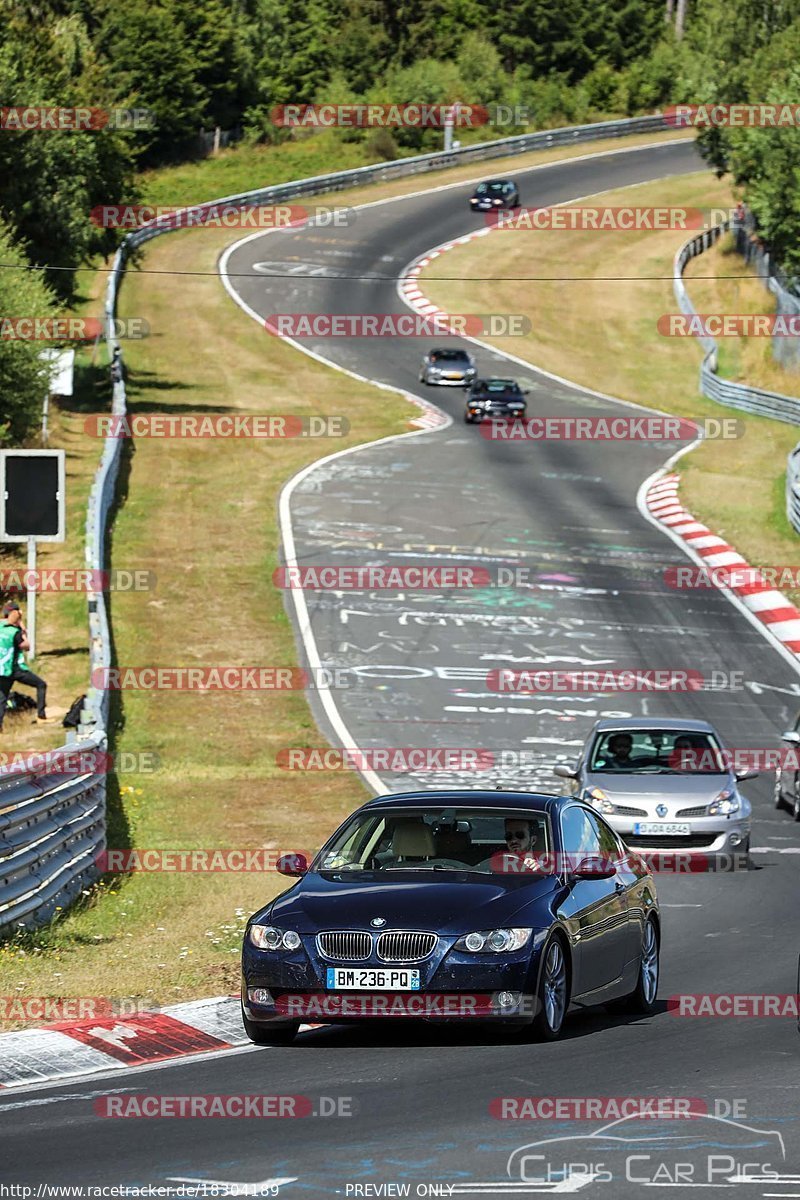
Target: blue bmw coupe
{"points": [[454, 905]]}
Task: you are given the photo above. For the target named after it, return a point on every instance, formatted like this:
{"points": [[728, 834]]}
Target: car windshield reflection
{"points": [[657, 752], [437, 840]]}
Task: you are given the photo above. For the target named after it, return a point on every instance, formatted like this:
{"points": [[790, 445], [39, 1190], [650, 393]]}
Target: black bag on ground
{"points": [[73, 718]]}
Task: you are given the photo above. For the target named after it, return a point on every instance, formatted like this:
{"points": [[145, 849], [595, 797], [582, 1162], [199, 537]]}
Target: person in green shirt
{"points": [[13, 667]]}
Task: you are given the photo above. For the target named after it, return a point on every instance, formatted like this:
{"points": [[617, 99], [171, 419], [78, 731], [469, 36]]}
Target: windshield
{"points": [[483, 188], [501, 385], [656, 752], [434, 839], [449, 356]]}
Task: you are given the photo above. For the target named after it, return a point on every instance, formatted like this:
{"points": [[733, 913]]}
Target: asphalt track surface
{"points": [[566, 511]]}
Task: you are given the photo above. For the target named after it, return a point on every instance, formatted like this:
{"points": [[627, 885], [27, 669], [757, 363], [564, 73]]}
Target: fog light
{"points": [[508, 999], [735, 839], [259, 995]]}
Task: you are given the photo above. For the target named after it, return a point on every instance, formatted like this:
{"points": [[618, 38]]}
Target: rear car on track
{"points": [[449, 368], [665, 784], [492, 398], [787, 773], [495, 194], [448, 905]]}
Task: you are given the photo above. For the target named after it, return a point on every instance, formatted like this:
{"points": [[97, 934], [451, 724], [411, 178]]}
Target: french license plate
{"points": [[662, 828], [368, 979]]}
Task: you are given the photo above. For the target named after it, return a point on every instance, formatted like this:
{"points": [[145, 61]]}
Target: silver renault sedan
{"points": [[665, 784]]}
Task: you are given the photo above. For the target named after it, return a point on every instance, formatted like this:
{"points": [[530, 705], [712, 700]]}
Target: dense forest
{"points": [[227, 63]]}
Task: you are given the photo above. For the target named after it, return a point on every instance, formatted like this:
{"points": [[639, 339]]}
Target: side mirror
{"points": [[742, 775], [791, 737], [595, 868], [292, 864], [565, 771]]}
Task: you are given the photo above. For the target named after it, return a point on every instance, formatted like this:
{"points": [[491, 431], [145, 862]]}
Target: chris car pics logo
{"points": [[717, 1151]]}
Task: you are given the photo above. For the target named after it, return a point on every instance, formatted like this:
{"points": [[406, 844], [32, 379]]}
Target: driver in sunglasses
{"points": [[521, 836]]}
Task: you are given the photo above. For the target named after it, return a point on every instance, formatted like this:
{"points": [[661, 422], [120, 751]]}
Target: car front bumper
{"points": [[452, 988], [710, 836], [488, 414]]}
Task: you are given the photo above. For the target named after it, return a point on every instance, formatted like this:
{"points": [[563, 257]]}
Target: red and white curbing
{"points": [[431, 418], [85, 1047], [409, 284], [767, 605]]}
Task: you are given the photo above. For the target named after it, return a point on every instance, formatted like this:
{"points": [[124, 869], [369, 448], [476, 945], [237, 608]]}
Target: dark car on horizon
{"points": [[489, 398], [507, 906], [494, 194]]}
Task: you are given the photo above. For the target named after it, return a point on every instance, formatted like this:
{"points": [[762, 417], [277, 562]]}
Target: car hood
{"points": [[694, 789], [445, 904]]}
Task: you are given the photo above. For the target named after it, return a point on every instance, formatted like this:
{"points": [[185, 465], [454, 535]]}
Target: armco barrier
{"points": [[725, 391], [793, 488], [785, 350], [738, 395], [52, 828]]}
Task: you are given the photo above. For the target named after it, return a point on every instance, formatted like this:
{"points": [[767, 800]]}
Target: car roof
{"points": [[487, 380], [470, 798], [690, 725], [449, 350]]}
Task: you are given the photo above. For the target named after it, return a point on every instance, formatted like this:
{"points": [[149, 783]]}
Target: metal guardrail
{"points": [[793, 488], [785, 350], [738, 395], [725, 391], [52, 826], [52, 829]]}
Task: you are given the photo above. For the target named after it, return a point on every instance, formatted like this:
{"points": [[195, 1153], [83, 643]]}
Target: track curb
{"points": [[769, 606], [71, 1048]]}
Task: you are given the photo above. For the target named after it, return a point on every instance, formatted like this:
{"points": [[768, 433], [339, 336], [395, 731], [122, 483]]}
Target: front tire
{"points": [[642, 1000], [270, 1035], [553, 993]]}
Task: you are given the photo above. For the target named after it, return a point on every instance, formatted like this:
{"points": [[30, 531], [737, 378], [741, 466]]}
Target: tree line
{"points": [[228, 63]]}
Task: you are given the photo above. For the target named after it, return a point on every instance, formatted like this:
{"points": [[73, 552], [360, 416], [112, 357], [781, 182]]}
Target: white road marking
{"points": [[265, 1187]]}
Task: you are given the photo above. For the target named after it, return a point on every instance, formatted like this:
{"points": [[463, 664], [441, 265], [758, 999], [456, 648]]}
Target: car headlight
{"points": [[494, 941], [267, 937], [726, 802], [599, 800]]}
